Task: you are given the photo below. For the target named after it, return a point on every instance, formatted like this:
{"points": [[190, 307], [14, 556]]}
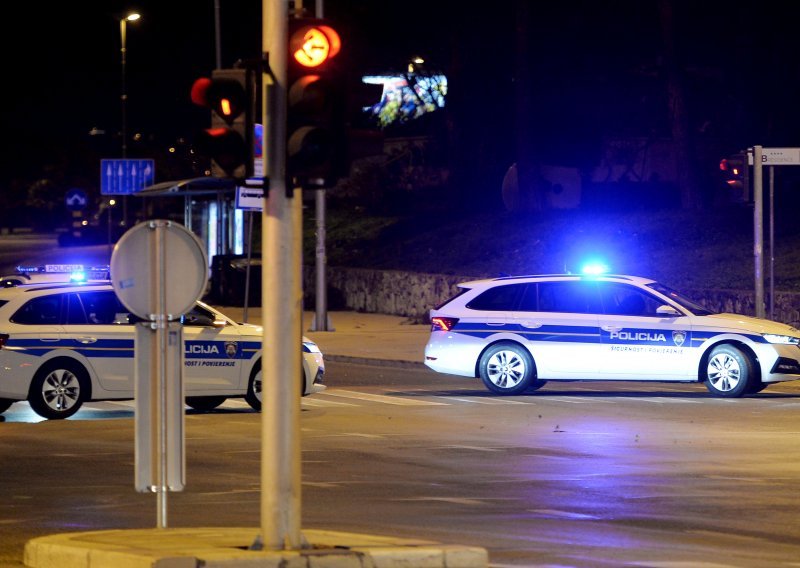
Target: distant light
{"points": [[112, 202], [594, 268], [133, 17]]}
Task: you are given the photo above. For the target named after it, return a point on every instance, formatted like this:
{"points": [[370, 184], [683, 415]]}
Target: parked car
{"points": [[517, 333], [62, 345]]}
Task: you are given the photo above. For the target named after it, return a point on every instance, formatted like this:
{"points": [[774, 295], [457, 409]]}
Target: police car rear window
{"points": [[498, 298], [44, 310]]}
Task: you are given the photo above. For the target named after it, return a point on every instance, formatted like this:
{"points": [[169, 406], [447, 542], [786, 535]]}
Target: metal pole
{"points": [[321, 297], [281, 292], [217, 35], [161, 357], [321, 303], [772, 242], [123, 28], [758, 228], [122, 35]]}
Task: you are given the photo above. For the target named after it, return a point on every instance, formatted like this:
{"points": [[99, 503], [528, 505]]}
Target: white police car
{"points": [[65, 344], [516, 333]]}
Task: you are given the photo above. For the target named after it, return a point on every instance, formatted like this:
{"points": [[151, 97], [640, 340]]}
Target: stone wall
{"points": [[413, 294]]}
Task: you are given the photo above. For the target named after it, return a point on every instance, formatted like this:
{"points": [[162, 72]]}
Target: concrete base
{"points": [[229, 547]]}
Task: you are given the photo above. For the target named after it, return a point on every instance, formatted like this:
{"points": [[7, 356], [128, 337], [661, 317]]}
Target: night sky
{"points": [[595, 69]]}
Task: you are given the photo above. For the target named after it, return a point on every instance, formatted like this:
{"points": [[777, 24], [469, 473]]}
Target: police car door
{"points": [[638, 342], [558, 320], [212, 354], [98, 328]]}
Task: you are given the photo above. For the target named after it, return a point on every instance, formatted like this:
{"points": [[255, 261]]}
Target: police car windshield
{"points": [[685, 302]]}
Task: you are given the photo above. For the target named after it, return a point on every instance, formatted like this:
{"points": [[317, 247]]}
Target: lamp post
{"points": [[123, 29]]}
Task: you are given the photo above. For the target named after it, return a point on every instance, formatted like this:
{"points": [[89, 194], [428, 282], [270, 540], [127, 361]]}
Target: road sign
{"points": [[124, 177], [777, 157], [76, 200], [251, 195]]}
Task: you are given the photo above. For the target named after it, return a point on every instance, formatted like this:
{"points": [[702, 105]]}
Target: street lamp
{"points": [[123, 28]]}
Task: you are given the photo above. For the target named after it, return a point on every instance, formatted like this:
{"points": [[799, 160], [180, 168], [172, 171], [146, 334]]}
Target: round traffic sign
{"points": [[159, 261]]}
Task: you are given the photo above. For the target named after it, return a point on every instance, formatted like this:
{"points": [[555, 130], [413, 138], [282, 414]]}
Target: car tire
{"points": [[58, 389], [507, 369], [5, 404], [729, 372], [253, 396], [205, 403]]}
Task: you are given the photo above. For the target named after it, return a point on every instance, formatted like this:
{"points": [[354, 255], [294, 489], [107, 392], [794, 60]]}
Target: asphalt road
{"points": [[576, 474]]}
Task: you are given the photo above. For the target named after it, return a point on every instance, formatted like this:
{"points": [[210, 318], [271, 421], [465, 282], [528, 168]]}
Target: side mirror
{"points": [[666, 310]]}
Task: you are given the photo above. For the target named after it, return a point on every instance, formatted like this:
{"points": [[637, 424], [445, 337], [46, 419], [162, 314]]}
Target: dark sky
{"points": [[592, 62], [67, 57]]}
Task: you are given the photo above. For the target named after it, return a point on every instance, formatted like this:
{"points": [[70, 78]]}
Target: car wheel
{"points": [[506, 368], [5, 404], [205, 403], [253, 396], [59, 389], [728, 372]]}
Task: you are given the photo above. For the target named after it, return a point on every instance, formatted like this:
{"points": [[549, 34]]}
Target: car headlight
{"points": [[781, 339], [310, 347]]}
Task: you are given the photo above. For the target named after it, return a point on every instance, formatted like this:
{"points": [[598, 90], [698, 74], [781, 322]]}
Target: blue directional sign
{"points": [[76, 199], [123, 177]]}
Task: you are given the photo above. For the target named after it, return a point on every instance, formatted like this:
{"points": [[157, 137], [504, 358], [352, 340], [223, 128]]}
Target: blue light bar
{"points": [[594, 268]]}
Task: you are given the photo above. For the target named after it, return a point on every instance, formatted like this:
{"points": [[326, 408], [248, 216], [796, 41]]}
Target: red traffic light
{"points": [[226, 97], [313, 44]]}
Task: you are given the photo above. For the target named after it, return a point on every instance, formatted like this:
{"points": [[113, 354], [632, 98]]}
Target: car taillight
{"points": [[3, 339], [443, 324]]}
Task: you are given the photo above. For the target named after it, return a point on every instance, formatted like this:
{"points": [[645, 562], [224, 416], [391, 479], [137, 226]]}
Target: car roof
{"points": [[22, 289], [486, 282]]}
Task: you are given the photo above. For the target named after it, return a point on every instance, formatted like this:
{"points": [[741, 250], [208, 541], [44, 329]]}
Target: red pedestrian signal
{"points": [[228, 94]]}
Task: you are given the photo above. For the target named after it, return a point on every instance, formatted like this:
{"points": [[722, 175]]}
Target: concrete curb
{"points": [[216, 547]]}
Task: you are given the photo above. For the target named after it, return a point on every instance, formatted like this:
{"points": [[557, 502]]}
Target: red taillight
{"points": [[443, 324]]}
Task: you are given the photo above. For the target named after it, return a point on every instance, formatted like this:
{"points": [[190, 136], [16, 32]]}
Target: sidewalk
{"points": [[371, 338]]}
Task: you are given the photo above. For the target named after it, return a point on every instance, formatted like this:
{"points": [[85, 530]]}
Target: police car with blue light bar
{"points": [[516, 333], [62, 345]]}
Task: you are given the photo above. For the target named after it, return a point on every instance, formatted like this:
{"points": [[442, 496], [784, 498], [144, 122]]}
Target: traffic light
{"points": [[736, 171], [316, 134], [229, 94]]}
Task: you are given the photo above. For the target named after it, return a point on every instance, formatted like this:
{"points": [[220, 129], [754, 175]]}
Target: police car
{"points": [[517, 333], [62, 345]]}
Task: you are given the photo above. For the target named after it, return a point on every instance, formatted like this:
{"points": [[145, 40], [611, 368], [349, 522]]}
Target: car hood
{"points": [[257, 330], [746, 324]]}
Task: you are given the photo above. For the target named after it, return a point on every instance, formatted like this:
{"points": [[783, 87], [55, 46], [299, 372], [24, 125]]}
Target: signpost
{"points": [[125, 177], [758, 156]]}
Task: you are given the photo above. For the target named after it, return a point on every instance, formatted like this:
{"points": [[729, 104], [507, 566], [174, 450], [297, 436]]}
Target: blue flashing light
{"points": [[78, 276], [594, 268]]}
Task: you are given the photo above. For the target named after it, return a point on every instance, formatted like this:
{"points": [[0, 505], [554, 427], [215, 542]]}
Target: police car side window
{"points": [[573, 297], [44, 310], [623, 300], [101, 308], [502, 298]]}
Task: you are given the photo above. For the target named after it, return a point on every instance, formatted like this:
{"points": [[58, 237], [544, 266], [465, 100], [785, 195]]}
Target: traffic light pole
{"points": [[281, 291]]}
